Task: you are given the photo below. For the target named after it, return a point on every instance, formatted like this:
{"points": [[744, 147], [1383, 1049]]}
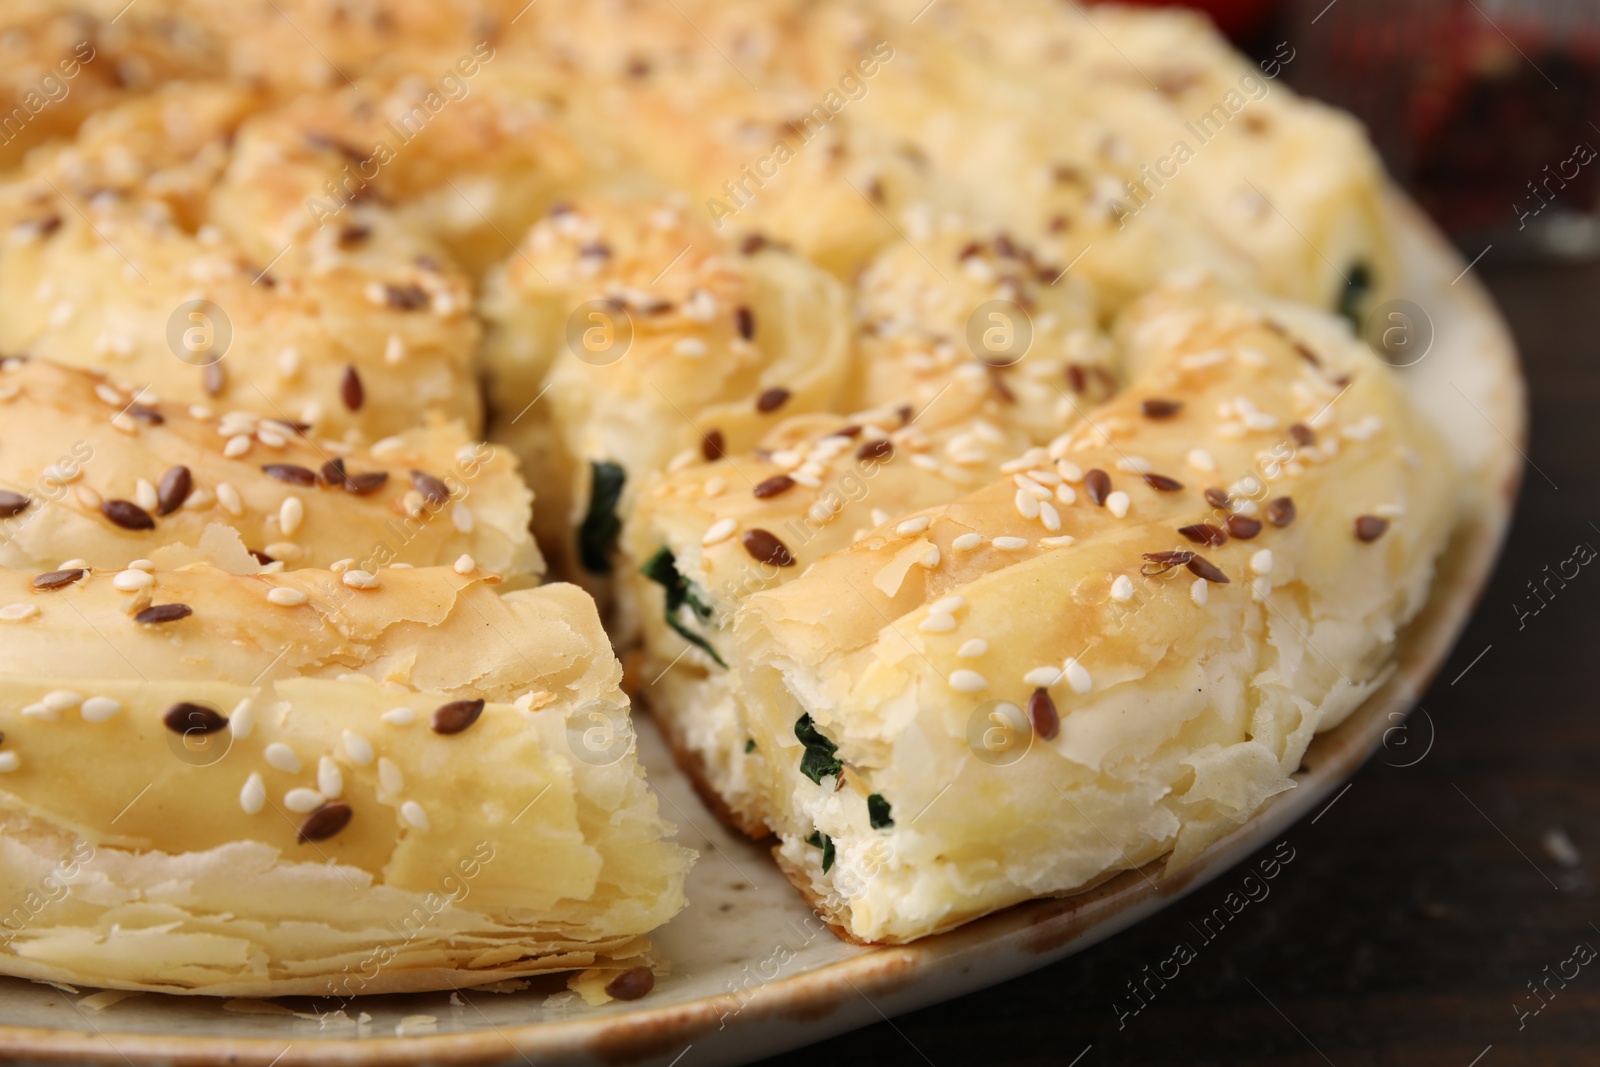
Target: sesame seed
{"points": [[1371, 527], [394, 349], [303, 800], [433, 490], [157, 614], [330, 780], [1042, 714], [1201, 567], [389, 776], [967, 681], [1199, 592], [387, 447], [461, 518], [401, 716], [1098, 484], [720, 531], [1066, 494], [18, 612], [1026, 503], [1069, 471], [1162, 483], [351, 391], [973, 648], [771, 400], [913, 526], [285, 597], [765, 547], [937, 622], [967, 542], [359, 579], [1242, 527], [144, 494], [237, 446], [108, 394], [1201, 460], [176, 486], [253, 795], [464, 565], [1122, 588], [325, 822], [291, 513], [42, 712], [773, 486], [229, 498], [242, 722], [290, 473], [1043, 676], [1118, 503], [187, 718], [1077, 676], [1156, 408], [282, 551], [1058, 542], [1203, 533], [1010, 544], [132, 581], [99, 709], [692, 347], [456, 716], [414, 815], [1049, 516], [128, 515], [949, 604], [281, 756], [1281, 511], [1261, 562]]}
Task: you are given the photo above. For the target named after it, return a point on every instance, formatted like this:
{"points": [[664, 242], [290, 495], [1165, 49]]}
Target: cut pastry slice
{"points": [[656, 342], [119, 260], [951, 414], [276, 803], [1023, 711], [105, 474]]}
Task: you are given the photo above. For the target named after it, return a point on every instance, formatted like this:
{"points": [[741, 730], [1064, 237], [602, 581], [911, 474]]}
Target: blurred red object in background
{"points": [[1239, 19]]}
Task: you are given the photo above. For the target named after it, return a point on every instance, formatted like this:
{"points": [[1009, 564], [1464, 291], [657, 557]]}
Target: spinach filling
{"points": [[599, 529], [819, 760], [878, 812], [662, 568], [818, 839], [1355, 294]]}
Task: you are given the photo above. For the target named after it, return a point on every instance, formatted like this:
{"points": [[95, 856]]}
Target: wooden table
{"points": [[1420, 906]]}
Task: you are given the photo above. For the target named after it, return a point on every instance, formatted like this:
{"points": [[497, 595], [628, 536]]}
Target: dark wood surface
{"points": [[1417, 910]]}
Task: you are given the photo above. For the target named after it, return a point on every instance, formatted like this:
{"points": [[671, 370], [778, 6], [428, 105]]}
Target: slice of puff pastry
{"points": [[270, 795], [947, 416], [1021, 712], [124, 255], [657, 342], [104, 474]]}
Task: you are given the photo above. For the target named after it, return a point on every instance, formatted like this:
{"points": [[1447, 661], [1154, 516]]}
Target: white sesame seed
{"points": [[339, 566], [967, 542], [9, 762], [253, 795], [122, 422], [1118, 503], [285, 597], [144, 494], [389, 776], [90, 499], [1066, 494], [108, 394], [388, 447], [61, 700], [73, 565], [1010, 544], [1049, 516], [291, 513], [200, 412], [973, 648], [720, 531], [41, 712], [358, 748], [930, 558], [394, 349], [1058, 542], [228, 497], [1078, 676], [288, 363], [913, 526], [937, 622], [692, 347], [17, 612], [399, 716], [1026, 503], [271, 438], [1122, 588], [99, 709], [330, 780], [282, 757], [359, 579], [949, 605], [303, 800], [237, 446], [242, 721], [1043, 676], [965, 681], [1201, 460], [464, 565], [286, 551], [141, 565], [414, 814], [1261, 562], [132, 581]]}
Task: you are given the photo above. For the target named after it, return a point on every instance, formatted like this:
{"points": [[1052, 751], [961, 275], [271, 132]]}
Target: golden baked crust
{"points": [[316, 817], [106, 474]]}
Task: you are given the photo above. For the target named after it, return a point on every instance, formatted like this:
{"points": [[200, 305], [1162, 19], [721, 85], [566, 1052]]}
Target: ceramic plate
{"points": [[752, 970]]}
